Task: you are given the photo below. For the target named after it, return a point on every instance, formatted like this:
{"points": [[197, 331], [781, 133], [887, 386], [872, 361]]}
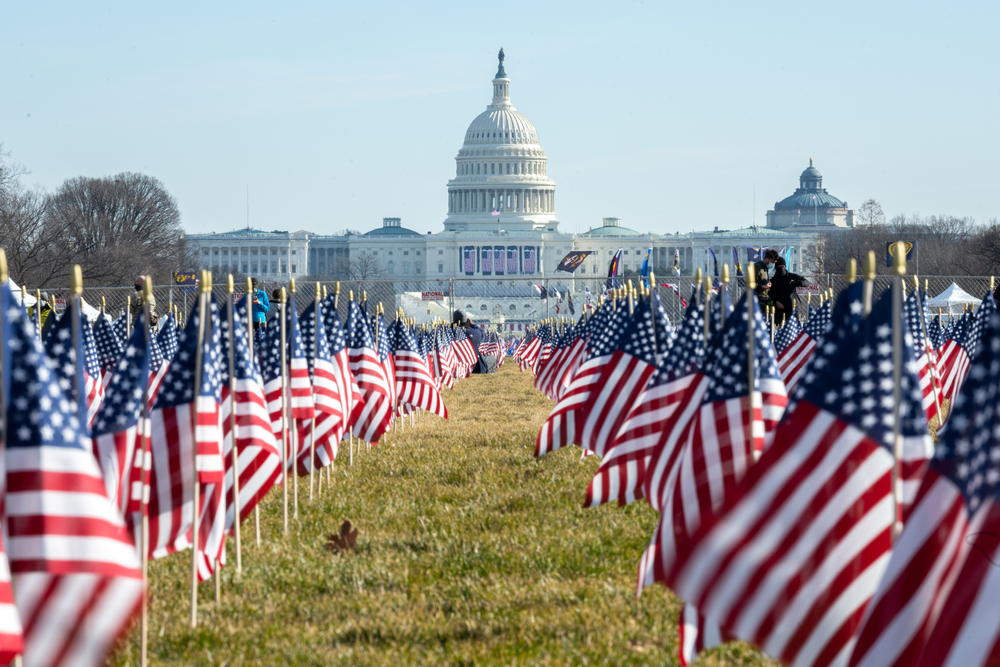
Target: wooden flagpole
{"points": [[898, 271], [253, 365], [144, 486], [293, 436], [284, 416], [231, 318], [205, 288]]}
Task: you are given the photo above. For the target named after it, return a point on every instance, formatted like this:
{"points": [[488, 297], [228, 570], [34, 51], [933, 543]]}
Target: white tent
{"points": [[952, 300], [29, 300]]}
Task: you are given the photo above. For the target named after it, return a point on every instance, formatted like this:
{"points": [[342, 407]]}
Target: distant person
{"points": [[762, 276], [783, 286], [44, 308], [137, 300], [261, 305], [475, 335]]}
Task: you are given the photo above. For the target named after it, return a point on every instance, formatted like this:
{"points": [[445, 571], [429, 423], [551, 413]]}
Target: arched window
{"points": [[483, 307], [513, 307], [477, 168], [515, 167], [390, 267], [508, 167], [493, 168], [468, 306]]}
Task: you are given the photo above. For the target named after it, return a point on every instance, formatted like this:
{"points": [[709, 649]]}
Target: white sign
{"points": [[808, 289]]}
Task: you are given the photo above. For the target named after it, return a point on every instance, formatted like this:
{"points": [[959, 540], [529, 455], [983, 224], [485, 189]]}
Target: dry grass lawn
{"points": [[471, 551]]}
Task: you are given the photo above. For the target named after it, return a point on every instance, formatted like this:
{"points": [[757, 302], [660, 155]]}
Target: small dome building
{"points": [[810, 205]]}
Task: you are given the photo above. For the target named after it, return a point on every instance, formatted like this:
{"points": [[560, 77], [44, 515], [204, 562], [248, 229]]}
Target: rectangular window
{"points": [[215, 251], [293, 266], [293, 252], [440, 268], [440, 252], [405, 252]]}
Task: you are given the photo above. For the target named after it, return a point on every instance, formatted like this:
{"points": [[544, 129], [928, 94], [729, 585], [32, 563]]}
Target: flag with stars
{"points": [[187, 426], [270, 352], [786, 334], [414, 384], [118, 442], [109, 346], [622, 473], [75, 568], [301, 404], [564, 359], [167, 338], [331, 387], [87, 390], [937, 601], [158, 366], [564, 425], [385, 358], [934, 331], [554, 346], [924, 355], [731, 424], [120, 327], [623, 377], [954, 362], [791, 558], [258, 462], [794, 358], [373, 419]]}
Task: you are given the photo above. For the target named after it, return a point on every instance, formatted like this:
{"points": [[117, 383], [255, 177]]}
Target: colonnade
{"points": [[251, 260], [514, 200]]}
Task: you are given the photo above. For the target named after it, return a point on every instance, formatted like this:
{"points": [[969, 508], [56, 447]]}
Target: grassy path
{"points": [[470, 551]]}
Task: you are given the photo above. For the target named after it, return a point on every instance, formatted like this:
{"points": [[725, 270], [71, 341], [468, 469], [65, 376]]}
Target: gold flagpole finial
{"points": [[291, 285], [3, 266], [230, 284], [76, 281], [852, 271]]}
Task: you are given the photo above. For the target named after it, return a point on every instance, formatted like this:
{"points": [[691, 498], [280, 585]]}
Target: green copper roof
{"points": [[612, 231], [392, 231]]}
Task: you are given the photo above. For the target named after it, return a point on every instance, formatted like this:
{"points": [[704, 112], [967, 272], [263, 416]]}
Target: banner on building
{"points": [[573, 260], [469, 260]]}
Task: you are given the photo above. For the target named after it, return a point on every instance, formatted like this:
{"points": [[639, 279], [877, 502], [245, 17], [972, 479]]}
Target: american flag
{"points": [[564, 426], [924, 355], [109, 346], [696, 634], [334, 390], [452, 368], [563, 349], [120, 327], [63, 355], [385, 359], [730, 425], [937, 601], [622, 378], [465, 354], [116, 430], [934, 331], [76, 570], [167, 338], [414, 384], [158, 366], [528, 352], [187, 420], [676, 290], [301, 405], [623, 470], [258, 462], [270, 352], [373, 420], [794, 358], [954, 363], [796, 551], [786, 334]]}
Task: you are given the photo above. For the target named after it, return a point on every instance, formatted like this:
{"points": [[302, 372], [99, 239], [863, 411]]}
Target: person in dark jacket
{"points": [[762, 277], [782, 292], [475, 335]]}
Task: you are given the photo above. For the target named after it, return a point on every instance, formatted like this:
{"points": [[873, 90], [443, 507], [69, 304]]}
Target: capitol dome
{"points": [[501, 179]]}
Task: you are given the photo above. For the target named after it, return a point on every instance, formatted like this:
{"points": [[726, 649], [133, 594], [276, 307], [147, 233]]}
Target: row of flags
{"points": [[106, 429], [804, 506]]}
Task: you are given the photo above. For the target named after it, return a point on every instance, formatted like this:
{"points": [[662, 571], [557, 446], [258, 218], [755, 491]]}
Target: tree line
{"points": [[946, 245], [115, 227]]}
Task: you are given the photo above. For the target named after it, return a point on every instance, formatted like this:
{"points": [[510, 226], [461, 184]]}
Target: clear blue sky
{"points": [[668, 114]]}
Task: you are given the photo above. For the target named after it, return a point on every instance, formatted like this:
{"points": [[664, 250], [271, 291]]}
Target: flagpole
{"points": [[927, 349], [723, 286], [898, 271], [144, 488], [253, 367], [350, 433], [232, 421], [206, 287], [284, 417], [293, 436], [4, 276], [312, 423], [74, 311]]}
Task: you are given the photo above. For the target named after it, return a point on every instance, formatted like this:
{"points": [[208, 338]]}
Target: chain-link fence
{"points": [[509, 304]]}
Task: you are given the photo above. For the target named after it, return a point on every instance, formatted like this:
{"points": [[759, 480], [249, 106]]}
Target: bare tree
{"points": [[361, 267], [870, 213], [118, 227]]}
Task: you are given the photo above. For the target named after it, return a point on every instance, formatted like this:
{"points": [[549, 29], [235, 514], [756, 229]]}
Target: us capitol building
{"points": [[502, 167]]}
